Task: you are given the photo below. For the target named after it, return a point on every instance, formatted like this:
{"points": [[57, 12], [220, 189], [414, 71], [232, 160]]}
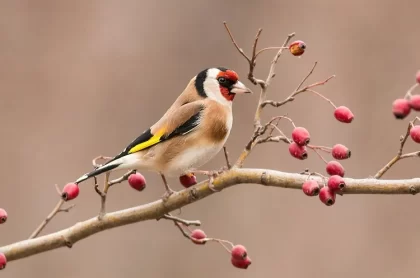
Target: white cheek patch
{"points": [[212, 87]]}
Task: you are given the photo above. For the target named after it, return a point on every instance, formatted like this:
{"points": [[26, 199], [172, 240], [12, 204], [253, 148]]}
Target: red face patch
{"points": [[225, 92], [229, 75]]}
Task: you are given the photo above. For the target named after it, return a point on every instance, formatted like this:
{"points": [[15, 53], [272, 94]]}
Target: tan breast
{"points": [[217, 121]]}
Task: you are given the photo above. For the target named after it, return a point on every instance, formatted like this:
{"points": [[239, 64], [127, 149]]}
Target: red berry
{"points": [[297, 151], [242, 263], [415, 133], [336, 183], [335, 168], [239, 252], [137, 181], [310, 188], [70, 191], [301, 136], [401, 108], [415, 102], [340, 152], [327, 196], [3, 261], [418, 76], [3, 216], [343, 114], [297, 48], [188, 180], [197, 236]]}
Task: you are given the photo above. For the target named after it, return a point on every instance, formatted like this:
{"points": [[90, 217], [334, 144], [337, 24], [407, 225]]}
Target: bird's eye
{"points": [[222, 80]]}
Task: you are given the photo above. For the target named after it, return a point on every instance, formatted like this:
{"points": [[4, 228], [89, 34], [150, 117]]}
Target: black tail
{"points": [[100, 170]]}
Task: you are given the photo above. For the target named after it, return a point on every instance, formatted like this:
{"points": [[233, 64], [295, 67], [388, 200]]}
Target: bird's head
{"points": [[220, 84]]}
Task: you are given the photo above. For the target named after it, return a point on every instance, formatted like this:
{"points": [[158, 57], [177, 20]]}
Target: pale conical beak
{"points": [[240, 88]]}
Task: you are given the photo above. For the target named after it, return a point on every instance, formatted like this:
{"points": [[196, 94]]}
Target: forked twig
{"points": [[57, 209], [400, 155]]}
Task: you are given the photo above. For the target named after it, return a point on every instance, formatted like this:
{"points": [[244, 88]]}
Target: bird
{"points": [[189, 134]]}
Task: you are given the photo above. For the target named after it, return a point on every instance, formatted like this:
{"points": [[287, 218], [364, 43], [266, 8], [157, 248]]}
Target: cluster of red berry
{"points": [[239, 255], [335, 182], [298, 149], [301, 137], [401, 107]]}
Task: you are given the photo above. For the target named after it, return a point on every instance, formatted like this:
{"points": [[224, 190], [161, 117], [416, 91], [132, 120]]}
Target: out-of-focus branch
{"points": [[158, 209]]}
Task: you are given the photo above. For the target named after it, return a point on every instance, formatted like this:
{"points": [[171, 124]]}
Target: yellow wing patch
{"points": [[152, 141]]}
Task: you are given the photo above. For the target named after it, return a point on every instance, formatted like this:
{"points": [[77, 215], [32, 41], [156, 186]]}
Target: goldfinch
{"points": [[191, 132]]}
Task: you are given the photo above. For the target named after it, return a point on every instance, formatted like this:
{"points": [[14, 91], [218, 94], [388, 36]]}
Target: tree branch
{"points": [[158, 209]]}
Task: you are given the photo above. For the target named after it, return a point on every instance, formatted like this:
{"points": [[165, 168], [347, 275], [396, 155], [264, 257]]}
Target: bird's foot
{"points": [[169, 190], [167, 194], [212, 175]]}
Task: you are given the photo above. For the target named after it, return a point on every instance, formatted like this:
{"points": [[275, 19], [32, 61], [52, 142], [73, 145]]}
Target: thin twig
{"points": [[182, 221], [276, 124], [409, 155], [319, 155], [306, 77], [235, 44], [50, 216], [122, 178], [322, 148], [58, 190], [291, 97], [102, 212], [95, 160], [399, 155], [107, 184], [410, 91], [273, 139], [181, 228], [271, 74], [321, 96], [253, 63], [279, 118], [269, 48]]}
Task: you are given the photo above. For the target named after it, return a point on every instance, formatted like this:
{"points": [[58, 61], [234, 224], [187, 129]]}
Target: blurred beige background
{"points": [[83, 78]]}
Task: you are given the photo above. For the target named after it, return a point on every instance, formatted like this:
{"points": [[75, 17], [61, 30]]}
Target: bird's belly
{"points": [[191, 158]]}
